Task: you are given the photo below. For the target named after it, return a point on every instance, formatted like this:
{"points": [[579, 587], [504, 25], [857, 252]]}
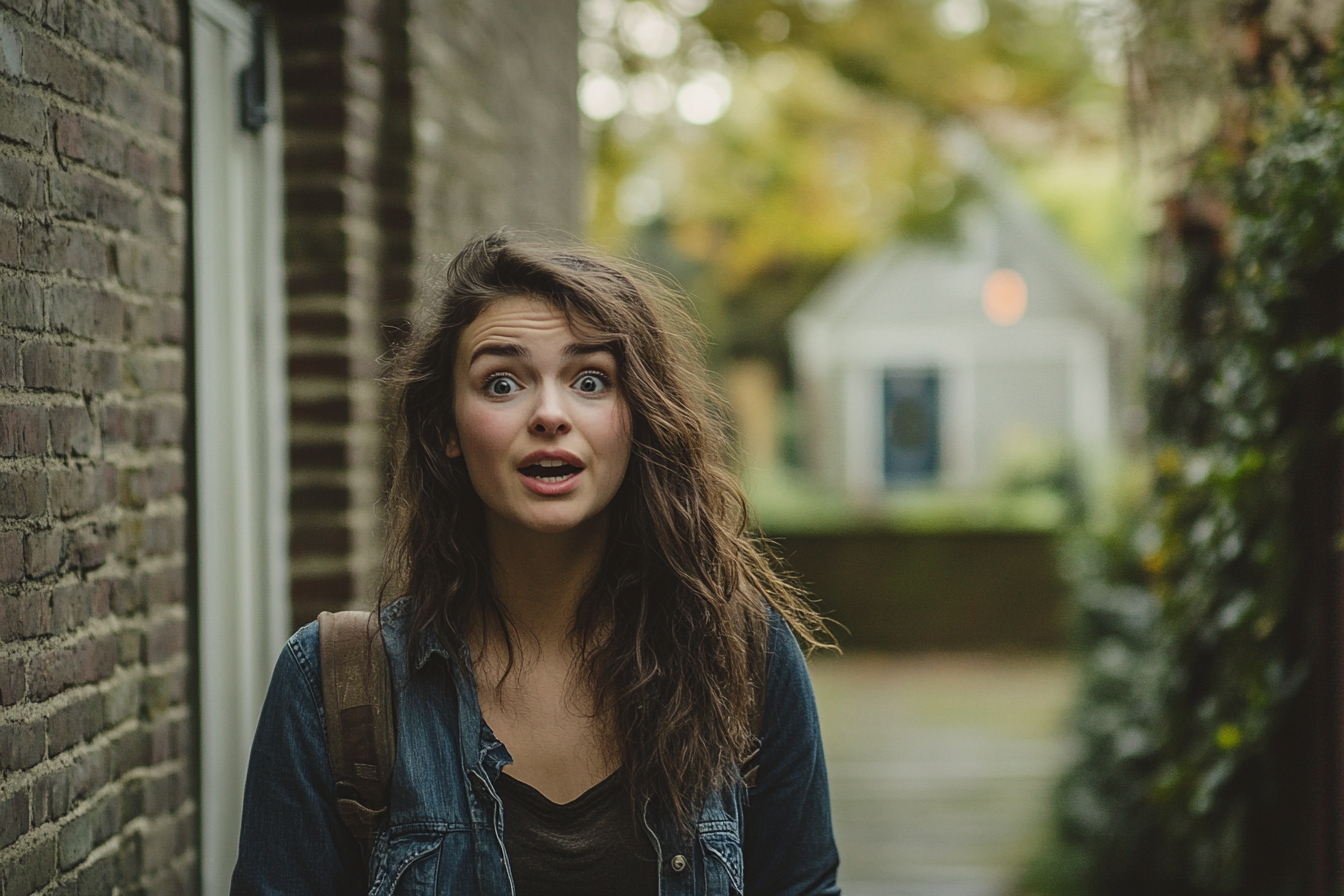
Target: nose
{"points": [[549, 417]]}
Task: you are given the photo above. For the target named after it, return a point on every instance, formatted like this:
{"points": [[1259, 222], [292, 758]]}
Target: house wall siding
{"points": [[95, 724]]}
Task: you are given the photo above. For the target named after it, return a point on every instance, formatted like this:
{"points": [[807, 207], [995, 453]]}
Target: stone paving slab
{"points": [[940, 767]]}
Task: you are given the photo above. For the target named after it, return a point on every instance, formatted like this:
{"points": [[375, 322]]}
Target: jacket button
{"points": [[678, 864]]}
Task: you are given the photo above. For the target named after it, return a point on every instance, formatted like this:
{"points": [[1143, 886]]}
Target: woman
{"points": [[587, 648]]}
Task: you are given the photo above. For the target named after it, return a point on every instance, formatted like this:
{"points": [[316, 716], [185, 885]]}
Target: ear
{"points": [[451, 448]]}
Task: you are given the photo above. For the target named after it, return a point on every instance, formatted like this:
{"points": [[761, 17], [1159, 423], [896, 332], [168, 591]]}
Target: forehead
{"points": [[519, 319]]}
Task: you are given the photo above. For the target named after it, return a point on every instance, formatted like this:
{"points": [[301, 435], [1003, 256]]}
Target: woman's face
{"points": [[541, 421]]}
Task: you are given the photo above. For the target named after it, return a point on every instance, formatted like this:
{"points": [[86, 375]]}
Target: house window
{"points": [[910, 430]]}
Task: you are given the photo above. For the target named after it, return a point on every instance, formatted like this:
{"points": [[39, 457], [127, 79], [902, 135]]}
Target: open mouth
{"points": [[550, 470]]}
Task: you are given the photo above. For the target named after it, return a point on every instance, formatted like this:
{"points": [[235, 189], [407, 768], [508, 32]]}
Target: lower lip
{"points": [[560, 487]]}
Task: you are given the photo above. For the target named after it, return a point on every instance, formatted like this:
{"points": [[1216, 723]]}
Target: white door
{"points": [[240, 408]]}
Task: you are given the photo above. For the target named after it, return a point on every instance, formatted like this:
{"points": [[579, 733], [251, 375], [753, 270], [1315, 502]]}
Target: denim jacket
{"points": [[445, 833]]}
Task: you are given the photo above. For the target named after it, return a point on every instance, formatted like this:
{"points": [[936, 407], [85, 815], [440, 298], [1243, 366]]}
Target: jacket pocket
{"points": [[723, 863], [408, 863]]}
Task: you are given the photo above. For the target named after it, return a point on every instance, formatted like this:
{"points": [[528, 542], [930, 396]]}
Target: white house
{"points": [[916, 364]]}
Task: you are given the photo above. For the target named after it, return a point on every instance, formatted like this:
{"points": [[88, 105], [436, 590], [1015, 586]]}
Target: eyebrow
{"points": [[514, 350], [578, 349]]}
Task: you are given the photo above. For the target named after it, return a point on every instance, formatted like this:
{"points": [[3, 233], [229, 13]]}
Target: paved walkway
{"points": [[940, 767]]}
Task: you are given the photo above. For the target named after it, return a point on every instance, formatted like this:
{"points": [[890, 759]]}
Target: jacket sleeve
{"points": [[293, 841], [789, 849]]}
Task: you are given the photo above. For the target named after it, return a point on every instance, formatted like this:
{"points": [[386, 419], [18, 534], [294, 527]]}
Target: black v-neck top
{"points": [[590, 846]]}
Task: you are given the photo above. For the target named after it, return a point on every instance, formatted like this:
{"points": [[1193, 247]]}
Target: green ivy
{"points": [[1192, 628]]}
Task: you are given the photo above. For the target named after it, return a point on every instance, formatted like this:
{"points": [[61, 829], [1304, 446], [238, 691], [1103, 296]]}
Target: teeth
{"points": [[550, 463]]}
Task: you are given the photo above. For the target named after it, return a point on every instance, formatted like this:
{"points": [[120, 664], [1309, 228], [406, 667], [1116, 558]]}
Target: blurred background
{"points": [[1028, 317], [915, 235]]}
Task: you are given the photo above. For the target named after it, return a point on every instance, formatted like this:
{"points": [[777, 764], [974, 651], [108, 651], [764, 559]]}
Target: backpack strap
{"points": [[357, 697]]}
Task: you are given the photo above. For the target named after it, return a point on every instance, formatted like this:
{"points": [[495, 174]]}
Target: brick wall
{"points": [[410, 125], [331, 55], [95, 789], [495, 118]]}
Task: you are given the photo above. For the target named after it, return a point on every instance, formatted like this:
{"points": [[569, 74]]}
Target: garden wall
{"points": [[972, 590]]}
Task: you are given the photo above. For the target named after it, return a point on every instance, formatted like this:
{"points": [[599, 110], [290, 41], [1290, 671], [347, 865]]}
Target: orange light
{"points": [[1004, 297]]}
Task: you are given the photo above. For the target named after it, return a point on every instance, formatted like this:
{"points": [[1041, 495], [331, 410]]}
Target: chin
{"points": [[552, 525]]}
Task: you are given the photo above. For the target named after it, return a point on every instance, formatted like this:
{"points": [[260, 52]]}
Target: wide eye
{"points": [[590, 382], [501, 385]]}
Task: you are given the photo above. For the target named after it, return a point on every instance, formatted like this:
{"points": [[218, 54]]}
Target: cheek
{"points": [[618, 438], [482, 434]]}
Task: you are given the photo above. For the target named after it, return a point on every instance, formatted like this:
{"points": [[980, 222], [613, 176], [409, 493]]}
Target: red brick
{"points": [[23, 493], [130, 751], [307, 541], [9, 363], [320, 497], [323, 410], [165, 641], [82, 489], [56, 247], [71, 606], [28, 614], [11, 556], [51, 367], [77, 722], [13, 681], [42, 552], [22, 118], [23, 430], [21, 183], [117, 423], [91, 547], [48, 63], [22, 744], [71, 431], [13, 817], [172, 324], [127, 597], [328, 366], [21, 303], [164, 587]]}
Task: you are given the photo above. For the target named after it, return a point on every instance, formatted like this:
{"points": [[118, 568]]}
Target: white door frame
{"points": [[241, 410]]}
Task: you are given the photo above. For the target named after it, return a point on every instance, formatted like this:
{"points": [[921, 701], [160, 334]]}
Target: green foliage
{"points": [[1193, 667], [831, 142]]}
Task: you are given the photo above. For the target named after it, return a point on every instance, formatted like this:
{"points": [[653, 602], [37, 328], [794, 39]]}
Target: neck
{"points": [[541, 577]]}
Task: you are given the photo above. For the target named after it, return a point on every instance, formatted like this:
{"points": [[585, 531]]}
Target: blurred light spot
{"points": [[688, 8], [599, 56], [596, 17], [1004, 297], [639, 199], [649, 31], [429, 131], [773, 26], [958, 18], [1229, 736], [601, 96], [706, 54], [704, 98], [775, 70], [650, 94], [826, 10]]}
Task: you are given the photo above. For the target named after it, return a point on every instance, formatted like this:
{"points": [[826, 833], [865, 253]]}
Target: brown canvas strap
{"points": [[357, 698]]}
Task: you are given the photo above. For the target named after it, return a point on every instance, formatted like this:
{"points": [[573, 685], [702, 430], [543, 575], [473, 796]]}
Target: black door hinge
{"points": [[252, 79]]}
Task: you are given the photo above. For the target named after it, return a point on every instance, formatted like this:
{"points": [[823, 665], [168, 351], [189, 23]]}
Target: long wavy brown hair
{"points": [[671, 630]]}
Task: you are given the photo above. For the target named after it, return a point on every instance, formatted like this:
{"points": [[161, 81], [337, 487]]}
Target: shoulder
{"points": [[298, 671]]}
